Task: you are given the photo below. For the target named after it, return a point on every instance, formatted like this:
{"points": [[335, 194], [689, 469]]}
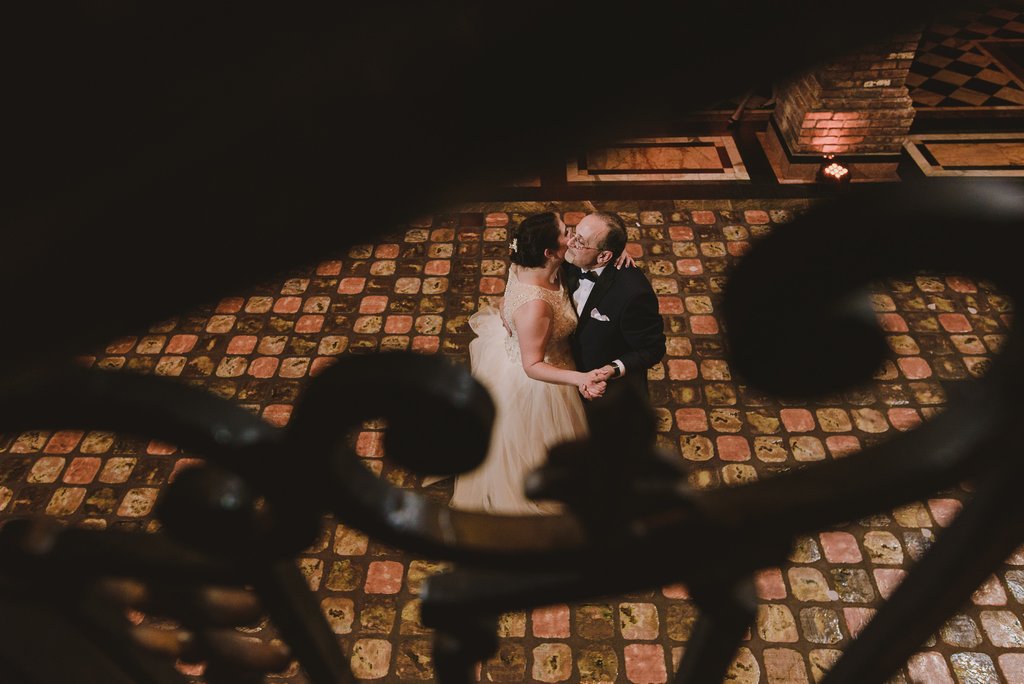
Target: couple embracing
{"points": [[572, 320]]}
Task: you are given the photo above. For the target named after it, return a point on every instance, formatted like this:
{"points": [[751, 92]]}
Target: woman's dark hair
{"points": [[534, 235]]}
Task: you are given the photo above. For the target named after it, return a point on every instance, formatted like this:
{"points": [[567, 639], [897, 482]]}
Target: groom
{"points": [[619, 324]]}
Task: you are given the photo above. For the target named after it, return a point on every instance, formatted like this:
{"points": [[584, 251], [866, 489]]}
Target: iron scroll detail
{"points": [[639, 506]]}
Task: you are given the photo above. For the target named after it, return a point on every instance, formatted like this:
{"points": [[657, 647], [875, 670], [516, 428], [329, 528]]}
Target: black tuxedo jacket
{"points": [[633, 332]]}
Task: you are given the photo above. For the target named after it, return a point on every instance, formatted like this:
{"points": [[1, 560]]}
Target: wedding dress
{"points": [[531, 415]]}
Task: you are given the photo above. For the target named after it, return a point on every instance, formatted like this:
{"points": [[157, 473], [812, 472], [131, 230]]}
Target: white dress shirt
{"points": [[579, 299]]}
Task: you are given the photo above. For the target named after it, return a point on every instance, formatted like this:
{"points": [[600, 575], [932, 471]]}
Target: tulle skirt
{"points": [[531, 417]]}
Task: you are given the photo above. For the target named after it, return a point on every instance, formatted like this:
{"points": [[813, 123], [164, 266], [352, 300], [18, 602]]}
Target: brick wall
{"points": [[856, 105]]}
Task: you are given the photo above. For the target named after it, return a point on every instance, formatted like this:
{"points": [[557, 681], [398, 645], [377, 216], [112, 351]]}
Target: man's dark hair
{"points": [[534, 235], [616, 238]]}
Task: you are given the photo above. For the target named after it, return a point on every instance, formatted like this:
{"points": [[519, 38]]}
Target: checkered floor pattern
{"points": [[954, 68]]}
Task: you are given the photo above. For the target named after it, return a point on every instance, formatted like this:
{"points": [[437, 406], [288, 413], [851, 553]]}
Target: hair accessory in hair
{"points": [[514, 245]]}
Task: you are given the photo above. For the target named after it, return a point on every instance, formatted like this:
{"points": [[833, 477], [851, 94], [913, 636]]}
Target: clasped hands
{"points": [[595, 382]]}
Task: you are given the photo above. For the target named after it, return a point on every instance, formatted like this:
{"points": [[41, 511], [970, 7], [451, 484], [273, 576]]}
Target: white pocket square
{"points": [[594, 313]]}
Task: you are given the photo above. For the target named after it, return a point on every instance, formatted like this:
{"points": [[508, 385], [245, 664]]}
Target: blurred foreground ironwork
{"points": [[249, 145]]}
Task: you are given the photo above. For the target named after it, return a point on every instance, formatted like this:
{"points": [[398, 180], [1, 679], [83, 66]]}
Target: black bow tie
{"points": [[588, 275]]}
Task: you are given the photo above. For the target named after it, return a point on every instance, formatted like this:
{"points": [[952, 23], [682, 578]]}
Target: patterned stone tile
{"points": [[415, 288]]}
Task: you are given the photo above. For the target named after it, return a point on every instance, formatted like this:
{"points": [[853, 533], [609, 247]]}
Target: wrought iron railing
{"points": [[240, 519]]}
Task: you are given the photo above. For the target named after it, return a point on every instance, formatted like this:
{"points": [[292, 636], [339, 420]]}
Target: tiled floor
{"points": [[956, 67], [705, 158], [414, 289]]}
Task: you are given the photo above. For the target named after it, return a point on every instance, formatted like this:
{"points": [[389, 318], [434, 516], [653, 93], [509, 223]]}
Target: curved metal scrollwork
{"points": [[623, 497]]}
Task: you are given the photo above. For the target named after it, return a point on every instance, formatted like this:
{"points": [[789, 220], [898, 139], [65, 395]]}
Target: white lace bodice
{"points": [[558, 352]]}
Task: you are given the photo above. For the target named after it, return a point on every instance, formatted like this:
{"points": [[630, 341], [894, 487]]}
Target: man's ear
{"points": [[604, 257]]}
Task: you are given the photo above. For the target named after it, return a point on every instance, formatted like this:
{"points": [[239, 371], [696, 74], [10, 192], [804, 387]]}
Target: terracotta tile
{"points": [[703, 325], [309, 323], [82, 470], [242, 344], [63, 442], [914, 367], [682, 369], [426, 344], [158, 448], [370, 444], [398, 324], [738, 249], [264, 367], [670, 305], [888, 579], [387, 251], [1012, 667], [437, 267], [733, 448], [904, 418], [955, 323], [122, 345], [320, 364], [645, 664], [944, 510], [373, 304], [287, 305], [184, 464], [329, 268], [797, 420], [277, 414], [230, 305], [959, 284], [840, 547], [675, 591], [892, 322], [351, 286], [689, 267], [769, 584], [492, 285], [384, 577], [551, 622], [990, 593], [692, 420], [857, 618]]}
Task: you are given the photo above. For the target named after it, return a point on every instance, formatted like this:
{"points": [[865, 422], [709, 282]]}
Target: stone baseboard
{"points": [[793, 170]]}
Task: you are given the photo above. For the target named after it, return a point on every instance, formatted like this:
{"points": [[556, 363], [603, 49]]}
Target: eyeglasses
{"points": [[576, 242]]}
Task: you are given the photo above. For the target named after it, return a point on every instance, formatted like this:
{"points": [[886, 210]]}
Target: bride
{"points": [[530, 375]]}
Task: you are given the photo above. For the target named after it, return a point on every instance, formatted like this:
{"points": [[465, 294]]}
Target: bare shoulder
{"points": [[533, 309]]}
